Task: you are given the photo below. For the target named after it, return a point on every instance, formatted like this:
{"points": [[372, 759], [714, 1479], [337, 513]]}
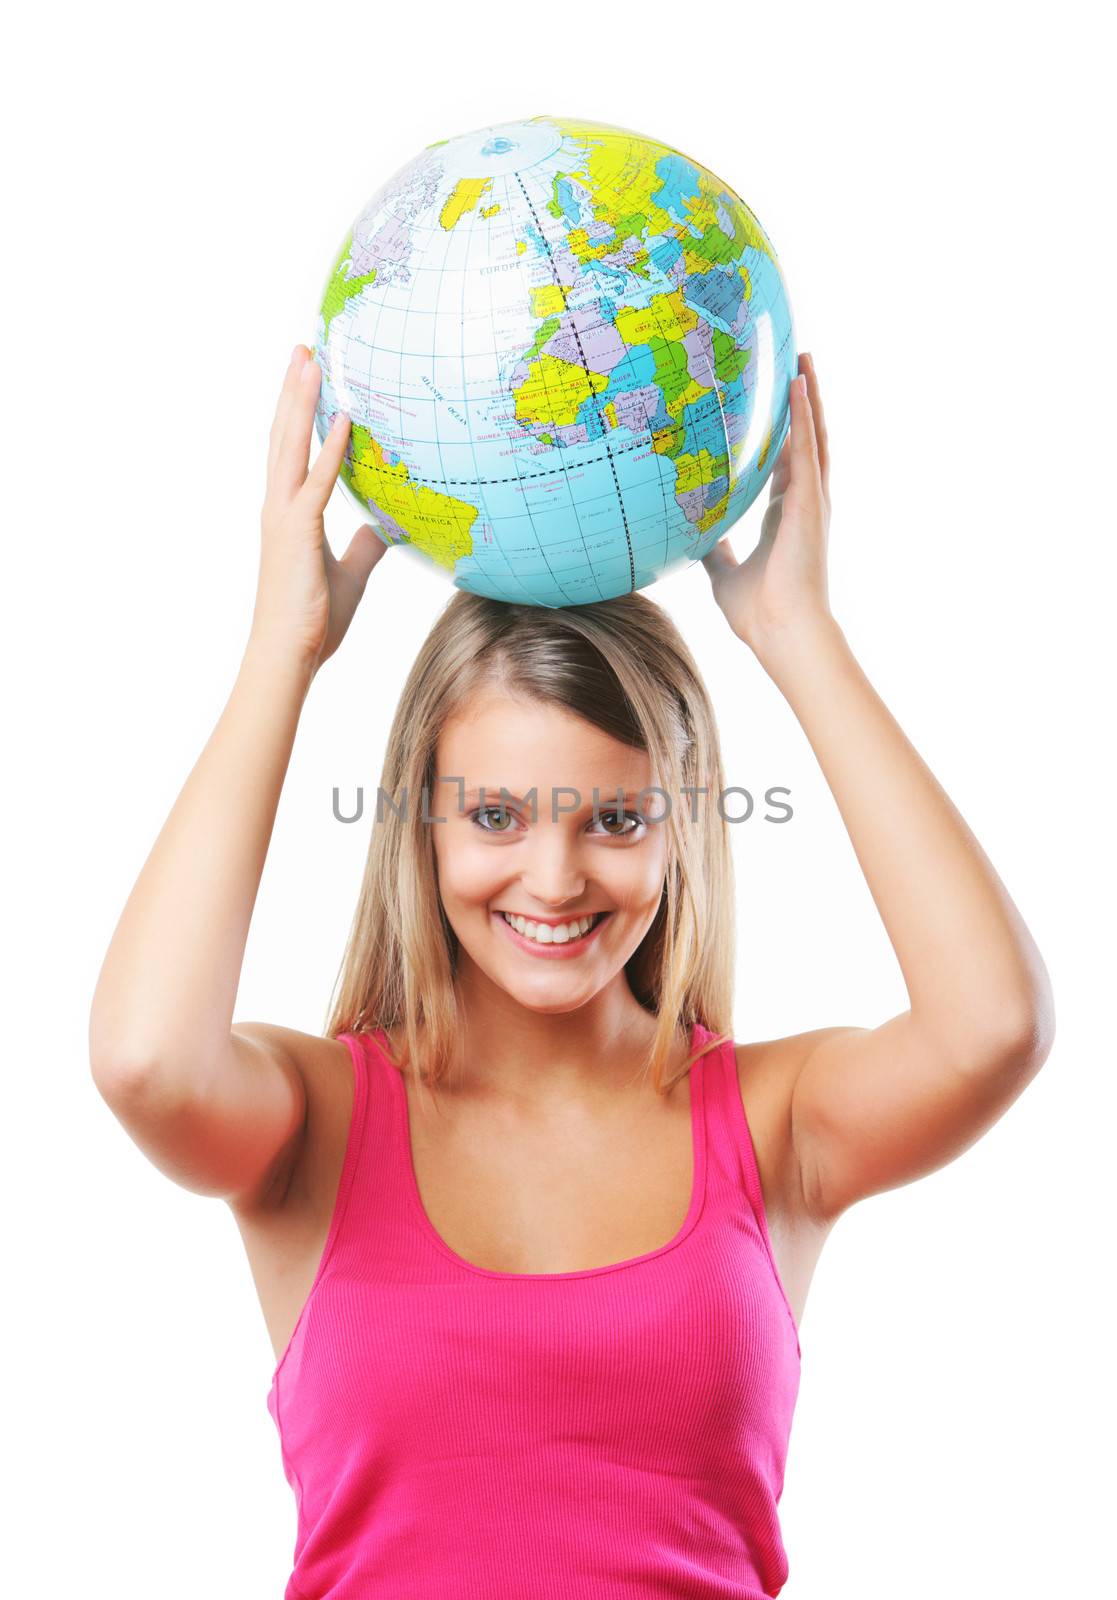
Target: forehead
{"points": [[499, 738]]}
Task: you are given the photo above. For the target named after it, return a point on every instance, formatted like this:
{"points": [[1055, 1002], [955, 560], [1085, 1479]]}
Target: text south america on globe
{"points": [[566, 351]]}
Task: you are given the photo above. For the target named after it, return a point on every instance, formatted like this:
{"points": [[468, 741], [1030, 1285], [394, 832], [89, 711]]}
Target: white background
{"points": [[938, 186]]}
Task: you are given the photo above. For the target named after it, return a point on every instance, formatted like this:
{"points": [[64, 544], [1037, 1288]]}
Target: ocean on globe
{"points": [[566, 351]]}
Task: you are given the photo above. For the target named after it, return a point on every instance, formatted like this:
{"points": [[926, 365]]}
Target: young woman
{"points": [[531, 1233]]}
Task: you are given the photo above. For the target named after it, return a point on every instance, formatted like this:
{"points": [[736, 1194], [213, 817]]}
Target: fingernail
{"points": [[339, 421], [307, 372], [299, 350]]}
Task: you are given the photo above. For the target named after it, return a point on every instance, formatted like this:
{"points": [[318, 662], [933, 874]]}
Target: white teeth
{"points": [[543, 933]]}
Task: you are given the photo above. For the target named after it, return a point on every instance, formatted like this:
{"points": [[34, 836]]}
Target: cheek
{"points": [[643, 889], [633, 877], [467, 871]]}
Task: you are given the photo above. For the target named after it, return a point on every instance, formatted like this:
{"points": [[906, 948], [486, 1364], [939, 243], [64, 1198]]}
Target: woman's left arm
{"points": [[872, 1108]]}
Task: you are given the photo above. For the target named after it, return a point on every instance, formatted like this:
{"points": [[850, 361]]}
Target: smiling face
{"points": [[554, 867]]}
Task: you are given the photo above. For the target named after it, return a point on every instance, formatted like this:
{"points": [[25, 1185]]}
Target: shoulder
{"points": [[767, 1072]]}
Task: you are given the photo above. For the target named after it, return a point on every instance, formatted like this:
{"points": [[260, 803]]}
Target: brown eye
{"points": [[622, 816], [486, 811]]}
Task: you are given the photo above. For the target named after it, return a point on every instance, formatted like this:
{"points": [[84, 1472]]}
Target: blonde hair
{"points": [[623, 666]]}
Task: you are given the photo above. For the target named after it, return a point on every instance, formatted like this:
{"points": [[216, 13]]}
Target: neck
{"points": [[512, 1050]]}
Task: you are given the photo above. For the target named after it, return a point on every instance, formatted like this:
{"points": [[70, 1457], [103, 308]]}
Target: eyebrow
{"points": [[517, 799]]}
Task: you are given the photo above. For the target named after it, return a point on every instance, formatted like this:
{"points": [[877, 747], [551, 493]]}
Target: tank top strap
{"points": [[373, 1132], [354, 1160], [734, 1174], [377, 1155], [723, 1177], [732, 1157], [373, 1184]]}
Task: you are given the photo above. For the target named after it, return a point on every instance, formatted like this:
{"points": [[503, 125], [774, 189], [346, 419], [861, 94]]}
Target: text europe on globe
{"points": [[566, 351]]}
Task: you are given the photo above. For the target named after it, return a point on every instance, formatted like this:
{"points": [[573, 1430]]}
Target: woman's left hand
{"points": [[782, 585]]}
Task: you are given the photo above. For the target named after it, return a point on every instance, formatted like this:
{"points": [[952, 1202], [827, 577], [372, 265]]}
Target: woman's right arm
{"points": [[220, 1110]]}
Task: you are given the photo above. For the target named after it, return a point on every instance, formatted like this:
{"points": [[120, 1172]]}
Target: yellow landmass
{"points": [[698, 472], [437, 524], [664, 440], [466, 193], [548, 299], [685, 397], [667, 317], [554, 391], [621, 173]]}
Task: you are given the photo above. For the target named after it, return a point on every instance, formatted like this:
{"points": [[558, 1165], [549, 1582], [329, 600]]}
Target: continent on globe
{"points": [[566, 351]]}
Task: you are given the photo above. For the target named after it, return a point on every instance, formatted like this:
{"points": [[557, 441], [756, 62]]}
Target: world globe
{"points": [[566, 351]]}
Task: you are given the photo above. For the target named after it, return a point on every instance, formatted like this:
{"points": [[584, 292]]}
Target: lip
{"points": [[553, 952]]}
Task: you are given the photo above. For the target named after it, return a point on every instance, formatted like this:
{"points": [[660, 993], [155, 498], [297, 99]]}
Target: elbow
{"points": [[1022, 1033], [1029, 1046], [117, 1060], [118, 1073], [131, 1082], [1033, 1033]]}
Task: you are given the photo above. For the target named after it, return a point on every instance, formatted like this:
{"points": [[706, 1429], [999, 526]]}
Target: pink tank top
{"points": [[613, 1434]]}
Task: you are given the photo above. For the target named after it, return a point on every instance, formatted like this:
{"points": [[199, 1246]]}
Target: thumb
{"points": [[720, 559], [364, 550]]}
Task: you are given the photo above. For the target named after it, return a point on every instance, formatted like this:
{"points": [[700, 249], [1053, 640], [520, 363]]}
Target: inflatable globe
{"points": [[566, 351]]}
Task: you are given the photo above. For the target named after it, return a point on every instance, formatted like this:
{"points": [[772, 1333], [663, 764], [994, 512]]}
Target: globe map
{"points": [[566, 352]]}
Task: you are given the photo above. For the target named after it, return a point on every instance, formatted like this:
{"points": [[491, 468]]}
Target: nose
{"points": [[552, 874]]}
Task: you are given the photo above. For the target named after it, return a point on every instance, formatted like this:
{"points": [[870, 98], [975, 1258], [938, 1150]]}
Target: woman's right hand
{"points": [[305, 596]]}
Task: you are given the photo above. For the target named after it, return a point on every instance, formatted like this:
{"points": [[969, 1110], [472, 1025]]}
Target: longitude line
{"points": [[469, 430], [592, 393]]}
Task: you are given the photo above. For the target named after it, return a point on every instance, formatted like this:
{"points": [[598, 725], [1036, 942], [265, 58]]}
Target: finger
{"points": [[805, 472], [781, 473], [294, 445], [720, 560], [821, 436], [290, 378], [323, 475]]}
